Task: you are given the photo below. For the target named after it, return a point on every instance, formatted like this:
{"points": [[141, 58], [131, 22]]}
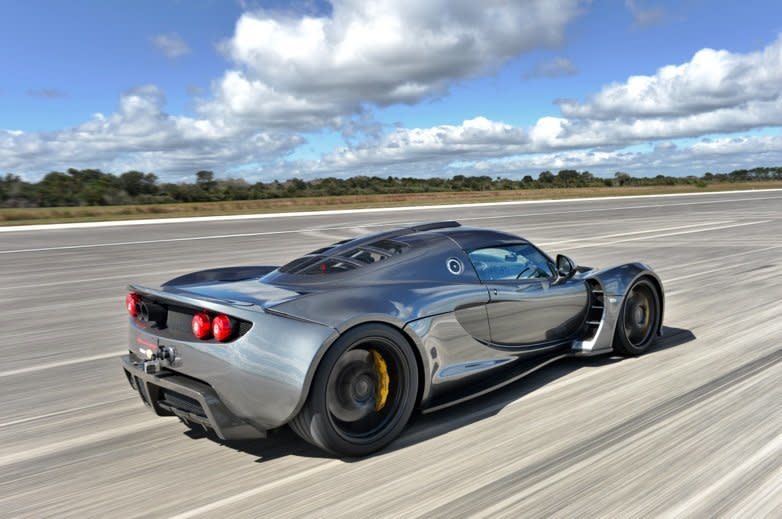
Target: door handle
{"points": [[524, 287]]}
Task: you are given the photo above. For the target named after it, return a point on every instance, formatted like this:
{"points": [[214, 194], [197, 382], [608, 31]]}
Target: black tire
{"points": [[639, 319], [345, 413]]}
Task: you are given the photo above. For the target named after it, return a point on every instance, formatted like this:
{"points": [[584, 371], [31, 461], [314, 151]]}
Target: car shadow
{"points": [[284, 442], [427, 426], [279, 443]]}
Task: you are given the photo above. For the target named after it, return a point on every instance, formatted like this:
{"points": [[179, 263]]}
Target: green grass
{"points": [[40, 215]]}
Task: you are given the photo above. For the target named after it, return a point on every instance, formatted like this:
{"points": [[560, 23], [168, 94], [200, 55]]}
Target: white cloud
{"points": [[309, 71], [140, 135], [667, 158], [715, 155], [478, 137], [715, 92], [294, 72], [300, 71], [711, 80], [172, 45], [482, 138]]}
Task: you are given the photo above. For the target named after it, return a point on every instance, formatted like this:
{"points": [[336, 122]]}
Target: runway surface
{"points": [[694, 428]]}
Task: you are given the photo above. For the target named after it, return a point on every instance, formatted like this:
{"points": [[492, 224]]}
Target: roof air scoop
{"points": [[433, 225]]}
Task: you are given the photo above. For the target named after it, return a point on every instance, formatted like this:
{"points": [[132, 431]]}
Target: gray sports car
{"points": [[344, 343]]}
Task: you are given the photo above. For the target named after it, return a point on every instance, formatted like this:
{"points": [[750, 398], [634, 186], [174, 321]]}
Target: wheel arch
{"points": [[616, 282], [342, 330], [655, 280]]}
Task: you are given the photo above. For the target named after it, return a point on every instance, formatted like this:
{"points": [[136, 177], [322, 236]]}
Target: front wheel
{"points": [[363, 392], [638, 320]]}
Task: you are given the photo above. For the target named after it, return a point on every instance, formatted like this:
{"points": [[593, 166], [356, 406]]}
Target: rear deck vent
{"points": [[331, 260]]}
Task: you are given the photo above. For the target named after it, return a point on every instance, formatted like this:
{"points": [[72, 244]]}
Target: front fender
{"points": [[615, 283]]}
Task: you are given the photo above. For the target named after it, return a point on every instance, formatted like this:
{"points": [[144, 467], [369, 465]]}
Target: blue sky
{"points": [[280, 89]]}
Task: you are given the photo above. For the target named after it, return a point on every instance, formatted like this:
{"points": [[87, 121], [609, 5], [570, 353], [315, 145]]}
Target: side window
{"points": [[522, 261]]}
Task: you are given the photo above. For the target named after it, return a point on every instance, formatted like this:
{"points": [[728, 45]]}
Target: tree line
{"points": [[90, 187]]}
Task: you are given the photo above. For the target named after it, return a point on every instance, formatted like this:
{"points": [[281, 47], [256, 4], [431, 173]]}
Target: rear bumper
{"points": [[168, 393]]}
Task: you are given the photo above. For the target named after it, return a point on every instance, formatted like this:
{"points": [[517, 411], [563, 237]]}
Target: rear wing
{"points": [[241, 309]]}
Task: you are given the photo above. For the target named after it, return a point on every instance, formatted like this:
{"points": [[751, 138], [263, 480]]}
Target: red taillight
{"points": [[131, 303], [202, 325], [221, 327]]}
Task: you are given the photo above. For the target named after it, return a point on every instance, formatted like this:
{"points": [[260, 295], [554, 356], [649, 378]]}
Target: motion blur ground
{"points": [[692, 428]]}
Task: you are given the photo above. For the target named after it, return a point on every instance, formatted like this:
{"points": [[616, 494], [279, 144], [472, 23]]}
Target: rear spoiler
{"points": [[173, 295]]}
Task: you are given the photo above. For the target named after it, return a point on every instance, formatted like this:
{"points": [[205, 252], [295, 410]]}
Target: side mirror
{"points": [[566, 267]]}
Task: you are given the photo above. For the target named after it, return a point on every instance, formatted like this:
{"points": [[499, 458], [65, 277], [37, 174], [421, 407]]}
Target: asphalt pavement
{"points": [[692, 429]]}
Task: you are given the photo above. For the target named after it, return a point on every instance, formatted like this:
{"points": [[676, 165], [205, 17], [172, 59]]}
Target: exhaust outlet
{"points": [[152, 313]]}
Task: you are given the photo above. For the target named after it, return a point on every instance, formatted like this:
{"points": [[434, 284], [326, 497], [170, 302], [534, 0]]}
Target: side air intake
{"points": [[596, 309]]}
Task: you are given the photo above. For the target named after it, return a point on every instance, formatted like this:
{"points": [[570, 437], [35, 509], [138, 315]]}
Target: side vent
{"points": [[596, 309]]}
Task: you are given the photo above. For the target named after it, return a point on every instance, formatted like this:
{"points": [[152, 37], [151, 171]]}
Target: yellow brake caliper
{"points": [[382, 380]]}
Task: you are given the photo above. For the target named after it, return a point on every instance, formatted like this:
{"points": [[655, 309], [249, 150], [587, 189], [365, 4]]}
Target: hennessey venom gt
{"points": [[344, 343]]}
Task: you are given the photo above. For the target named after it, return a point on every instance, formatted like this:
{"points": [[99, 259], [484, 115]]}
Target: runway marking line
{"points": [[603, 244], [257, 490], [66, 411], [193, 219], [630, 233], [59, 364], [71, 443], [295, 231]]}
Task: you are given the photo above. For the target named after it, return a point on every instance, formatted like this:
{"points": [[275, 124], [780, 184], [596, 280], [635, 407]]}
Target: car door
{"points": [[529, 307]]}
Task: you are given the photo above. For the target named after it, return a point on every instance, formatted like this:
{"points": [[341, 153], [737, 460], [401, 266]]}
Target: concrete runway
{"points": [[694, 428]]}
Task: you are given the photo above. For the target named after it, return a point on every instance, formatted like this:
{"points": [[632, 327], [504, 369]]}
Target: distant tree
{"points": [[295, 186], [206, 180], [739, 175], [94, 187], [10, 187], [621, 178], [57, 188], [568, 177], [136, 183], [587, 178]]}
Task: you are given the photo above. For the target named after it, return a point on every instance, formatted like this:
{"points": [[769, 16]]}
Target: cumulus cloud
{"points": [[292, 73], [716, 155], [172, 45], [297, 71], [140, 135], [716, 92], [558, 67], [711, 80], [474, 138], [309, 71]]}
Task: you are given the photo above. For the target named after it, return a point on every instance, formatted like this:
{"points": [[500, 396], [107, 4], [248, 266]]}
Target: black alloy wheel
{"points": [[638, 320], [363, 392]]}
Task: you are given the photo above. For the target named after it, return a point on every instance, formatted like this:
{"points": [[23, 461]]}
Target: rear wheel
{"points": [[638, 320], [363, 392]]}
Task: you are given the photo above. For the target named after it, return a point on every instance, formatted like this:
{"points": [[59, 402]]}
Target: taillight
{"points": [[202, 325], [131, 303], [221, 328]]}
